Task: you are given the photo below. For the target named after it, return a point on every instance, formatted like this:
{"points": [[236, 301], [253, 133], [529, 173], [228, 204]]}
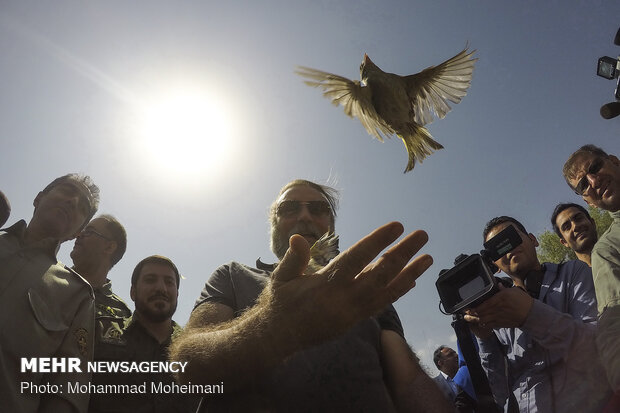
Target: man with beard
{"points": [[595, 176], [285, 339], [96, 250], [146, 337], [46, 309], [576, 229]]}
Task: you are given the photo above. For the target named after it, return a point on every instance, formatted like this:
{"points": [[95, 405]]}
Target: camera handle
{"points": [[485, 403]]}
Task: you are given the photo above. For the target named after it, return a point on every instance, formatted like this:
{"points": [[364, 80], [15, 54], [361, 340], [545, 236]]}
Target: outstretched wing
{"points": [[355, 98], [430, 90]]}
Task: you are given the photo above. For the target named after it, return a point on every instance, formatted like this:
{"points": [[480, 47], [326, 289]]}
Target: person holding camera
{"points": [[536, 339], [595, 176]]}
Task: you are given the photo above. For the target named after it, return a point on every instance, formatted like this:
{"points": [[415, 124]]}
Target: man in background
{"points": [[97, 249], [576, 229], [146, 337]]}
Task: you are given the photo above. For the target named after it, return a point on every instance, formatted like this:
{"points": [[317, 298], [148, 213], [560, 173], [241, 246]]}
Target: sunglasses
{"points": [[90, 232], [288, 209], [593, 169]]}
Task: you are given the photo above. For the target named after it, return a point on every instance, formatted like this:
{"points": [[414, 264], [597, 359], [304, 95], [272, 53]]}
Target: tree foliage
{"points": [[550, 248]]}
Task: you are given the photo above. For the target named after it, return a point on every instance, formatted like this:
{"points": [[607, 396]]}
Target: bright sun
{"points": [[185, 132]]}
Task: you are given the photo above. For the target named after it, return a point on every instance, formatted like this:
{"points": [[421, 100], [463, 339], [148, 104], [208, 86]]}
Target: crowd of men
{"points": [[292, 337]]}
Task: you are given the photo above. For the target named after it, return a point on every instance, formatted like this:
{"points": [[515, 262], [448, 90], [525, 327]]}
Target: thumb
{"points": [[295, 260]]}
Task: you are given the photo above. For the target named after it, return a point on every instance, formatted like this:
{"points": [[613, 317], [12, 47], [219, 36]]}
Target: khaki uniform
{"points": [[606, 272], [136, 344], [46, 310]]}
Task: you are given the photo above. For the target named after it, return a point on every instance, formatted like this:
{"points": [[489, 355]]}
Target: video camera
{"points": [[609, 68], [471, 281]]}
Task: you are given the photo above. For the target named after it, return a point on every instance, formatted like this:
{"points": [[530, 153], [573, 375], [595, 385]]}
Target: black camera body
{"points": [[471, 281], [609, 68]]}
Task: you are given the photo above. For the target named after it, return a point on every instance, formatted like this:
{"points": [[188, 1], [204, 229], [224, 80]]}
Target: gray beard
{"points": [[279, 242]]}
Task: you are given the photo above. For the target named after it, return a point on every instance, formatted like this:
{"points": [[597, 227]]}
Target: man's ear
{"points": [[111, 247], [563, 241], [132, 293], [533, 238]]}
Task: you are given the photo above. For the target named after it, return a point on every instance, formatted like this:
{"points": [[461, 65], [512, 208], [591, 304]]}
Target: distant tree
{"points": [[552, 250]]}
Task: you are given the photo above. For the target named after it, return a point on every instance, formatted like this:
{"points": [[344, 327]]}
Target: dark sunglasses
{"points": [[90, 232], [594, 168], [291, 208]]}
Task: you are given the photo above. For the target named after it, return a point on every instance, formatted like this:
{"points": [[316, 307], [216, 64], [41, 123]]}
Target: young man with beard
{"points": [[576, 229], [543, 328], [146, 337], [282, 339], [46, 309], [595, 176], [96, 250]]}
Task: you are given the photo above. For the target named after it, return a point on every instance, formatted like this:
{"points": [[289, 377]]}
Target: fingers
{"points": [[392, 262], [351, 262], [405, 280], [295, 260]]}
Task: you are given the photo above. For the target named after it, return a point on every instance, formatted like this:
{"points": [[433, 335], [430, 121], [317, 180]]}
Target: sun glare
{"points": [[186, 133]]}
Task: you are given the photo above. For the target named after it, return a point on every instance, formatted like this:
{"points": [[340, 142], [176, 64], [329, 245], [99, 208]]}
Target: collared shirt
{"points": [[450, 382], [46, 310], [606, 270], [552, 362]]}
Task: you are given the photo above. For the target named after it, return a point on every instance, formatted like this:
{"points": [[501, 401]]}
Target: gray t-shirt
{"points": [[341, 375]]}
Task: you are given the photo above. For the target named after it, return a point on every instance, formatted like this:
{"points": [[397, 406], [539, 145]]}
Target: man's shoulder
{"points": [[108, 303], [60, 277], [609, 241], [236, 269]]}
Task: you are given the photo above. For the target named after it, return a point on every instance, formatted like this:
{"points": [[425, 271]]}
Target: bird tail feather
{"points": [[419, 144]]}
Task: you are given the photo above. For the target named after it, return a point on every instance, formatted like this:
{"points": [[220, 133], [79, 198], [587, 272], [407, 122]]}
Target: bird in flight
{"points": [[389, 104]]}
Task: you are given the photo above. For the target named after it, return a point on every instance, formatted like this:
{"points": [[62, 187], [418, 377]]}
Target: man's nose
{"points": [[304, 213], [593, 180]]}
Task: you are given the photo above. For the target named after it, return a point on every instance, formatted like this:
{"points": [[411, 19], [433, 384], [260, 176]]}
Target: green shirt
{"points": [[46, 310], [606, 273]]}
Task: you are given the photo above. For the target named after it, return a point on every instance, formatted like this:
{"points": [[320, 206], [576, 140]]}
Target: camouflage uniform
{"points": [[110, 314]]}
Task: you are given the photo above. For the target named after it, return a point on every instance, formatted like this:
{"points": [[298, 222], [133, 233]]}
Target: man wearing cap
{"points": [[46, 309]]}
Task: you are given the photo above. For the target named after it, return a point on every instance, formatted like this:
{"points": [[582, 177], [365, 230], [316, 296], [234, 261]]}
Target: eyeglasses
{"points": [[90, 232], [593, 169], [288, 209]]}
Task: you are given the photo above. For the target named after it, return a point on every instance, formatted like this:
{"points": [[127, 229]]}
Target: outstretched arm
{"points": [[412, 390], [296, 311]]}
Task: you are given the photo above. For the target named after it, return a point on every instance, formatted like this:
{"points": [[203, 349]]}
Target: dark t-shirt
{"points": [[344, 374]]}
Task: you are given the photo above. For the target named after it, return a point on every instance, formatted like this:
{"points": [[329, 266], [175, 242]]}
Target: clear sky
{"points": [[100, 87]]}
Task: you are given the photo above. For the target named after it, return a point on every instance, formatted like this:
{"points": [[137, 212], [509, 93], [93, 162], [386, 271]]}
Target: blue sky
{"points": [[78, 78]]}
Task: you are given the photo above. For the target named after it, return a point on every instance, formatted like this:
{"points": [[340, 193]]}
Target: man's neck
{"points": [[519, 278], [33, 234], [160, 331], [96, 275], [585, 257]]}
